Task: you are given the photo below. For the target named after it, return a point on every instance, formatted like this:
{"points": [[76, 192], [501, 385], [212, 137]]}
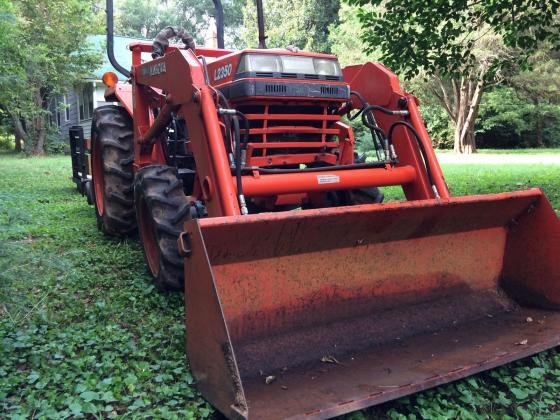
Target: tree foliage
{"points": [[509, 120], [440, 36], [145, 18], [464, 46], [343, 41], [46, 53], [541, 82]]}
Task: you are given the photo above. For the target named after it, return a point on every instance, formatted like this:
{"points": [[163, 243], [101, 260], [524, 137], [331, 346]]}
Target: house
{"points": [[76, 107]]}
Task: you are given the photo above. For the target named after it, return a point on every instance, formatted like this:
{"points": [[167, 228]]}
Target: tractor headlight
{"points": [[295, 64], [325, 67], [259, 62], [288, 64]]}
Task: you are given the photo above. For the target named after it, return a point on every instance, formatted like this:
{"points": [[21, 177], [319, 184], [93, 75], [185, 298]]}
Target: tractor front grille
{"points": [[284, 135]]}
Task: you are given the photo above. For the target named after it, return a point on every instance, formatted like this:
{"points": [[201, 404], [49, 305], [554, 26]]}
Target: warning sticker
{"points": [[328, 179]]}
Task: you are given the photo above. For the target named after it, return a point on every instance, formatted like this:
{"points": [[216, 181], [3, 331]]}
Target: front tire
{"points": [[364, 196], [161, 210], [112, 157]]}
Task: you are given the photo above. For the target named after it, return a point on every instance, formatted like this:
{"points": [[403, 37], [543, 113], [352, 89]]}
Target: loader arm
{"points": [[380, 86]]}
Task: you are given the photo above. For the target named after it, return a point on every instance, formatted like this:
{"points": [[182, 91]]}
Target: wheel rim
{"points": [[97, 175], [149, 242]]}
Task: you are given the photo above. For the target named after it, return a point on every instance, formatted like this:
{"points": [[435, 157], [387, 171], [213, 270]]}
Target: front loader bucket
{"points": [[316, 313]]}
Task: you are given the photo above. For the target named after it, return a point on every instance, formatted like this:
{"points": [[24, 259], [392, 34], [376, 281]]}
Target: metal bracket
{"points": [[184, 244]]}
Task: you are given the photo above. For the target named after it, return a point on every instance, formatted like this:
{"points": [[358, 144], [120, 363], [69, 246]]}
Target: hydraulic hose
{"points": [[247, 126], [420, 147], [318, 169], [367, 107], [222, 100], [233, 115], [369, 121], [237, 139], [378, 136], [402, 112]]}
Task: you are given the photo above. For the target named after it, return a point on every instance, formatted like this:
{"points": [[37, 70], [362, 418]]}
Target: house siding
{"points": [[73, 106], [73, 114], [123, 56]]}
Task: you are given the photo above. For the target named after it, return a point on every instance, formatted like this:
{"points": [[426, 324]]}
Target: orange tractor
{"points": [[306, 296]]}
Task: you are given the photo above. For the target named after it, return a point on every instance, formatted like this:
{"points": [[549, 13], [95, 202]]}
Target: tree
{"points": [[508, 120], [461, 93], [46, 54], [145, 18], [138, 18], [464, 44], [343, 41], [11, 74], [540, 86], [304, 24]]}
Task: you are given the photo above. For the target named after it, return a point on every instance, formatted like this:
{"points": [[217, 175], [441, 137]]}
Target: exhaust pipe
{"points": [[260, 21], [110, 47], [219, 10]]}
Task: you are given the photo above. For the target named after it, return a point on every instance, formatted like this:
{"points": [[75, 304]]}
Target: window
{"points": [[52, 111], [57, 109], [85, 101], [66, 102]]}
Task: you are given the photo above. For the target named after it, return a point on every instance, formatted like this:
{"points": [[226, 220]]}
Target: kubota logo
{"points": [[222, 72], [154, 70]]}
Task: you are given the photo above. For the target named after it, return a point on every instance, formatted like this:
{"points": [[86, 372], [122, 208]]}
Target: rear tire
{"points": [[112, 156], [161, 210]]}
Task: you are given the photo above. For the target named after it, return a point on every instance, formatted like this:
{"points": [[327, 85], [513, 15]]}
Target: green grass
{"points": [[468, 179], [83, 332], [528, 151]]}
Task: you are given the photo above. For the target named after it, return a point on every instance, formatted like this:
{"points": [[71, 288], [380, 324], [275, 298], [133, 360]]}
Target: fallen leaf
{"points": [[269, 379], [284, 387], [522, 343], [529, 319], [329, 359]]}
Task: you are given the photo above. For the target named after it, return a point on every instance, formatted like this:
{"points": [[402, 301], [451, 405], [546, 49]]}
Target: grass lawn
{"points": [[83, 333], [528, 151]]}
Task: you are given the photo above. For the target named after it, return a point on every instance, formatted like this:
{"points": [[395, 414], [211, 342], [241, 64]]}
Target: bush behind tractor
{"points": [[305, 295]]}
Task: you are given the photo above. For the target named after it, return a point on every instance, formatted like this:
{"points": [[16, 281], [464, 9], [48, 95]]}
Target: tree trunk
{"points": [[19, 131], [539, 126], [41, 134], [461, 100], [39, 127], [464, 143], [18, 147], [470, 96]]}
